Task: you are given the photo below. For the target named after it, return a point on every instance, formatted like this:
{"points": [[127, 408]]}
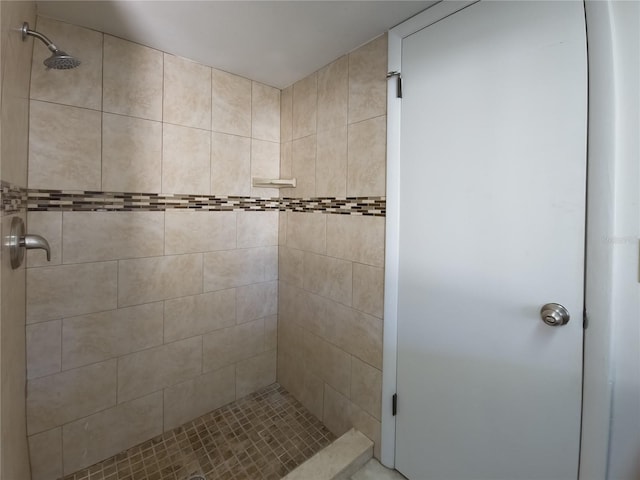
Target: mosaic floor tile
{"points": [[260, 437]]}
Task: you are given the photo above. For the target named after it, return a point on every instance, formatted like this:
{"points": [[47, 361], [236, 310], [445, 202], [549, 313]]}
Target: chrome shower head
{"points": [[59, 60]]}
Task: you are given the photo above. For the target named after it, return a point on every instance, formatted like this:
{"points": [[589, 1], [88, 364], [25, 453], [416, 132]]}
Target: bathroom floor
{"points": [[262, 436]]}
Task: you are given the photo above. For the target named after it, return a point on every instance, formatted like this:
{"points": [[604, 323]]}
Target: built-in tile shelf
{"points": [[274, 182]]}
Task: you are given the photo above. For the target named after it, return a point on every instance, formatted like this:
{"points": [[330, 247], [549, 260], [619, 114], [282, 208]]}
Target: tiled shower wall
{"points": [[14, 130], [144, 319], [333, 129]]}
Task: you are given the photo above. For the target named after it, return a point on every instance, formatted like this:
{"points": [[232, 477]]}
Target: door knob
{"points": [[554, 314], [18, 240]]}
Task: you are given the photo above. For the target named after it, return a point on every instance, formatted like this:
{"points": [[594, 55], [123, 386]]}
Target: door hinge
{"points": [[394, 404], [585, 319], [398, 76]]}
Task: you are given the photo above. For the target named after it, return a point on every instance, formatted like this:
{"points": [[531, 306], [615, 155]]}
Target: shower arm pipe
{"points": [[25, 31]]}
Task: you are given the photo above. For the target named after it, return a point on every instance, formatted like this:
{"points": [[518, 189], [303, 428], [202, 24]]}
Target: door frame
{"points": [[602, 144]]}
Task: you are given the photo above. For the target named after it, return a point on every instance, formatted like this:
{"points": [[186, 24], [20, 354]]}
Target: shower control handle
{"points": [[18, 242], [31, 242], [554, 315]]}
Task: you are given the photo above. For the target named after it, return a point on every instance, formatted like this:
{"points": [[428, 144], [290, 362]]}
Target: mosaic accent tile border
{"points": [[14, 198], [260, 437]]}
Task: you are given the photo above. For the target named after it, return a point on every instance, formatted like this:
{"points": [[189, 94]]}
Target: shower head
{"points": [[58, 60], [61, 61]]}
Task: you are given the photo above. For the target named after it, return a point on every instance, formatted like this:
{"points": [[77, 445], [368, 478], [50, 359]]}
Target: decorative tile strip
{"points": [[14, 198], [372, 206]]}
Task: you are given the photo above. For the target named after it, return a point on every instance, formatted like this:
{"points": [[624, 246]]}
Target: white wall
{"points": [[611, 409], [624, 456]]}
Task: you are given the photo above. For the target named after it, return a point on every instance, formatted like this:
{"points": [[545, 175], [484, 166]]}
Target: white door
{"points": [[492, 210]]}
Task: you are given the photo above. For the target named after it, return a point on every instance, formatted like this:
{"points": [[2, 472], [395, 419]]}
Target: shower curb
{"points": [[338, 461]]}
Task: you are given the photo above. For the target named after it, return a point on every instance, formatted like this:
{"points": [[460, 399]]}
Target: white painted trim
{"points": [[428, 17], [390, 326], [612, 259]]}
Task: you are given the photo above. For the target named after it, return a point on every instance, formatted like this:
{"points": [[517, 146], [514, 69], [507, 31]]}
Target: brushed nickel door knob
{"points": [[554, 315]]}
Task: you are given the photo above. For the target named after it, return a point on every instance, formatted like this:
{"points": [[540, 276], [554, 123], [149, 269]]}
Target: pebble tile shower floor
{"points": [[262, 436]]}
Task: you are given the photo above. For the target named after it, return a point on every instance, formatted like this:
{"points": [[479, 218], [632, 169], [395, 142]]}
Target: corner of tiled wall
{"points": [[144, 319], [333, 133], [15, 56]]}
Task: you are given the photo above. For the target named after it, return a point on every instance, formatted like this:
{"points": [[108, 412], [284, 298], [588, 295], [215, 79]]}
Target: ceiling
{"points": [[273, 42]]}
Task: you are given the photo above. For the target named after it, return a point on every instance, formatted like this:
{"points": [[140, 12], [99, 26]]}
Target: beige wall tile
{"points": [[230, 164], [81, 87], [230, 345], [287, 296], [44, 348], [310, 311], [255, 373], [286, 114], [131, 154], [290, 373], [331, 163], [257, 229], [366, 387], [193, 398], [93, 287], [265, 163], [189, 316], [98, 236], [64, 147], [271, 332], [313, 314], [186, 160], [368, 426], [132, 79], [146, 280], [305, 99], [303, 159], [256, 301], [48, 225], [291, 266], [101, 336], [265, 112], [329, 362], [329, 277], [307, 231], [368, 289], [282, 228], [14, 117], [233, 268], [357, 333], [367, 80], [104, 434], [231, 103], [356, 238], [312, 393], [340, 414], [14, 120], [144, 372], [58, 399], [198, 231], [186, 93], [45, 450], [367, 158], [15, 461], [286, 165], [333, 95], [336, 411], [291, 338]]}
